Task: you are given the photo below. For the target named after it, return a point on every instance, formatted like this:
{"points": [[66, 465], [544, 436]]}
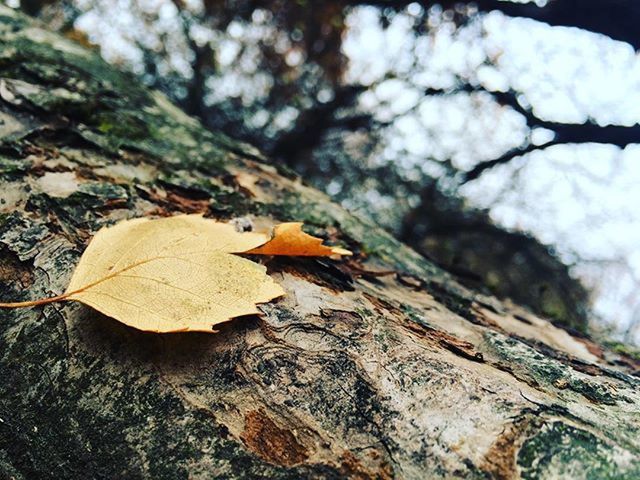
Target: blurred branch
{"points": [[315, 121], [201, 66], [564, 133], [481, 167]]}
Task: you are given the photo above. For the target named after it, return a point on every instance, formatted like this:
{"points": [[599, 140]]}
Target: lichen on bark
{"points": [[378, 367]]}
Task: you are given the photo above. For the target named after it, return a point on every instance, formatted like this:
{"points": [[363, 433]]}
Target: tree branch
{"points": [[564, 133], [481, 167]]}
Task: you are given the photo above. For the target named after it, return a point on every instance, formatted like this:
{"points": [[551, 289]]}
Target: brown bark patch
{"points": [[272, 443], [593, 348], [175, 200], [13, 270], [187, 204], [380, 305], [343, 320], [459, 347], [355, 268], [455, 345], [410, 281], [353, 469], [481, 318], [500, 460]]}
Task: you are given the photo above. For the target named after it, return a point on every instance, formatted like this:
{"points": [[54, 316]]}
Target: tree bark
{"points": [[378, 367]]}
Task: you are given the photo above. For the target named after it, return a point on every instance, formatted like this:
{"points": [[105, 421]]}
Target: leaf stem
{"points": [[33, 303]]}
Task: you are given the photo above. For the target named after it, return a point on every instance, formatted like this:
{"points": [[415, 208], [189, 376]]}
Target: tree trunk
{"points": [[377, 367]]}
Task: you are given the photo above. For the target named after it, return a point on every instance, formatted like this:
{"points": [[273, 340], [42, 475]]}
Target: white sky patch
{"points": [[115, 26], [568, 74]]}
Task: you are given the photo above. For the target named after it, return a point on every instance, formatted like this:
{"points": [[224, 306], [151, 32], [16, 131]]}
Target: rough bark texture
{"points": [[379, 367]]}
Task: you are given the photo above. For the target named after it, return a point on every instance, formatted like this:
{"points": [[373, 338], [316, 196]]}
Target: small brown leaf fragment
{"points": [[289, 239]]}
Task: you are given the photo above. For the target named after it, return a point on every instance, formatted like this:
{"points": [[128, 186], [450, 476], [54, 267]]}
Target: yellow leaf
{"points": [[179, 274], [172, 274], [289, 239]]}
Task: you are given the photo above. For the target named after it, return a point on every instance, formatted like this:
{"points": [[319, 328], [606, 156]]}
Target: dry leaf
{"points": [[289, 239], [172, 274], [179, 274]]}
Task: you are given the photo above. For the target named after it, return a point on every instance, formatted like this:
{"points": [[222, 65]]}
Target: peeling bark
{"points": [[377, 367]]}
